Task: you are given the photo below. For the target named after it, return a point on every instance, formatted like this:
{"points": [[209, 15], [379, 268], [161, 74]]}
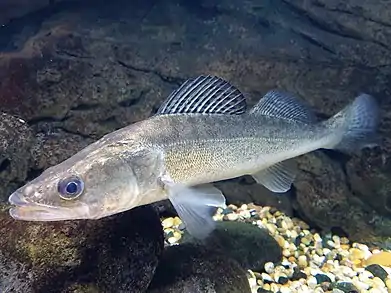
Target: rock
{"points": [[81, 288], [12, 10], [194, 268], [15, 276], [16, 140], [249, 245], [118, 253], [324, 197]]}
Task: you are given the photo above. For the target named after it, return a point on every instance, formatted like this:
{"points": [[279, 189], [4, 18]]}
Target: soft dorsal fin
{"points": [[205, 95], [285, 106]]}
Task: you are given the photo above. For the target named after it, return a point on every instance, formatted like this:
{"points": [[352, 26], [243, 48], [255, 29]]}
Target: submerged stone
{"points": [[194, 268]]}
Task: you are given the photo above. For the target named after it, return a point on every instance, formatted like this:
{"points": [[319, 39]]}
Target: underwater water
{"points": [[72, 71]]}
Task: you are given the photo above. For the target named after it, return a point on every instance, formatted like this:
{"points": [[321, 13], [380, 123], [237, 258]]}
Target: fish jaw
{"points": [[29, 211]]}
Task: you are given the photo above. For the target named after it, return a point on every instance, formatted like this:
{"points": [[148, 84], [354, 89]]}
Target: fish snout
{"points": [[18, 199], [25, 207]]}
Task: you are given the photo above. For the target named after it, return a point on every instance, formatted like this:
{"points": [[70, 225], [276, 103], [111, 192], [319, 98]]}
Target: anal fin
{"points": [[278, 177]]}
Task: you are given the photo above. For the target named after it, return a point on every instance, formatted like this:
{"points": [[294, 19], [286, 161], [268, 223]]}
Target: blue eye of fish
{"points": [[70, 188]]}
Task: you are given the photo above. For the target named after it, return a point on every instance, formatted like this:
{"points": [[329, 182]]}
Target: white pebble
{"points": [[245, 214], [318, 260], [375, 290], [232, 217], [348, 272], [172, 240], [362, 286], [312, 282], [331, 276], [315, 271], [285, 290], [294, 234], [269, 267], [243, 207], [337, 240], [266, 277], [253, 282], [365, 276]]}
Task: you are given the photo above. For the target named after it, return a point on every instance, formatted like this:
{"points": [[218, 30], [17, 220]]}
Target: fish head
{"points": [[100, 184]]}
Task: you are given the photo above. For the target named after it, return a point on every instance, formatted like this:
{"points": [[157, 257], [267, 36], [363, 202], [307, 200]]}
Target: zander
{"points": [[201, 134]]}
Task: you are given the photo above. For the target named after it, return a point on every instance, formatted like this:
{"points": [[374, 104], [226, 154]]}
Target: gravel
{"points": [[312, 261]]}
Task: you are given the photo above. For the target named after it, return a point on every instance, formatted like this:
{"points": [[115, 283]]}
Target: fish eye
{"points": [[70, 188]]}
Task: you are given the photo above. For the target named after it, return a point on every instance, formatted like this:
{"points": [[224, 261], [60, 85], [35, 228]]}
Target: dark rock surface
{"points": [[250, 246], [79, 72], [194, 268], [116, 254], [16, 140]]}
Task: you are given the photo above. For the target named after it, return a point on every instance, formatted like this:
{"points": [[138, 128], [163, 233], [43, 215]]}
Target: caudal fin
{"points": [[359, 122]]}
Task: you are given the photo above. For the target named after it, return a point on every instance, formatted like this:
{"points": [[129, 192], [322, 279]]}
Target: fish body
{"points": [[199, 149], [203, 133]]}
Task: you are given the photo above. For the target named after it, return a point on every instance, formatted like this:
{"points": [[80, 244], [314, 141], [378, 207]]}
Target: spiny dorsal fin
{"points": [[285, 106], [205, 95]]}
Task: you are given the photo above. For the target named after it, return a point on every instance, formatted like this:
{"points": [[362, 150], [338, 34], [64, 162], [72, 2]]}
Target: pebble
{"points": [[232, 217], [302, 261], [174, 238], [282, 280], [168, 223], [312, 282], [322, 278], [298, 274], [269, 267], [377, 271], [266, 278]]}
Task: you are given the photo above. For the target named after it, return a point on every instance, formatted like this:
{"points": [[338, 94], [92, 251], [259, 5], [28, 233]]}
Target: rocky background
{"points": [[72, 71]]}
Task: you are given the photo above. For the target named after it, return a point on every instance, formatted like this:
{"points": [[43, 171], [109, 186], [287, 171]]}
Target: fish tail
{"points": [[357, 124]]}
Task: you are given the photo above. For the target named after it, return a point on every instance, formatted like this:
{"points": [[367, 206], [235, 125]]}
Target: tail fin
{"points": [[359, 122]]}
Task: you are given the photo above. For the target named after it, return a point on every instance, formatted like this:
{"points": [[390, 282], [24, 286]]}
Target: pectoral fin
{"points": [[279, 177], [195, 206]]}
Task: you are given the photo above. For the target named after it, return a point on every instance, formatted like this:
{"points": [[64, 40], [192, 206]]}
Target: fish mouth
{"points": [[29, 211]]}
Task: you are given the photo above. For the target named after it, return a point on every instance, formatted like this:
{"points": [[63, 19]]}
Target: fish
{"points": [[202, 133]]}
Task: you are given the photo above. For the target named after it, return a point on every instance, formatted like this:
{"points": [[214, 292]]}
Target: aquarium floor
{"points": [[312, 261]]}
